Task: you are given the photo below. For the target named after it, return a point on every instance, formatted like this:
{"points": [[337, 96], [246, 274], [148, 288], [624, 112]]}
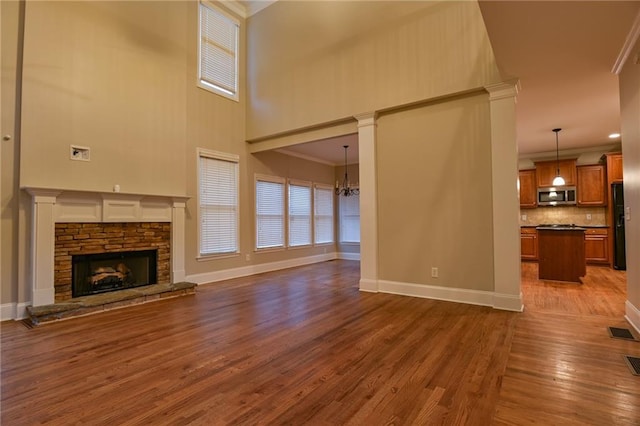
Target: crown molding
{"points": [[627, 47], [235, 7]]}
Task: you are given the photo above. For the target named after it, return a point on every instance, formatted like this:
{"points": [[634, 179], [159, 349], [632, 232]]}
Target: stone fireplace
{"points": [[90, 234]]}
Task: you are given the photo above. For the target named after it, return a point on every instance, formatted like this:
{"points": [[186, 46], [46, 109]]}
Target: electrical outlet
{"points": [[434, 272], [80, 153], [247, 257], [524, 217], [588, 216]]}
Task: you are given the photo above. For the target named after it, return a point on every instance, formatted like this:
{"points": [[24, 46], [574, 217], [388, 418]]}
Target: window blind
{"points": [[269, 214], [218, 50], [218, 200], [299, 215], [350, 219], [323, 206]]}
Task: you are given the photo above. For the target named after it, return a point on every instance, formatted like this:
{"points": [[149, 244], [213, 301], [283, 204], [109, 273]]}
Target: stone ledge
{"points": [[85, 305]]}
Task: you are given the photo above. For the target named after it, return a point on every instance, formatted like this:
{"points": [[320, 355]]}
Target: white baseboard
{"points": [[458, 295], [13, 311], [227, 274], [370, 286], [508, 302], [632, 315], [349, 256]]}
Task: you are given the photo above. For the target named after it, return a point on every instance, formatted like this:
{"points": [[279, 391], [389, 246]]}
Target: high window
{"points": [[218, 202], [299, 214], [323, 214], [218, 51], [269, 212], [350, 219]]}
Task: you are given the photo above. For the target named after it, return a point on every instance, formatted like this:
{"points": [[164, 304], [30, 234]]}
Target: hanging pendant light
{"points": [[346, 189], [558, 180]]}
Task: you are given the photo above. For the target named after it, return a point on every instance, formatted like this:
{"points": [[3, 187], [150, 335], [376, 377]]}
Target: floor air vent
{"points": [[621, 333], [634, 364]]}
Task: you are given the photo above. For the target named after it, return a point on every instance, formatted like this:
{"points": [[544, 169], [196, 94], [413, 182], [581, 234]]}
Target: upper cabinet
{"points": [[614, 168], [591, 186], [546, 171], [528, 190]]}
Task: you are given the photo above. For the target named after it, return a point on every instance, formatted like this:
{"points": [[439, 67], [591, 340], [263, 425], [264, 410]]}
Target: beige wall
{"points": [[316, 62], [434, 194], [630, 111]]}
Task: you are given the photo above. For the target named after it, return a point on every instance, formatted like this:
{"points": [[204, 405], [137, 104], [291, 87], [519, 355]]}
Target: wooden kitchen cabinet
{"points": [[596, 245], [591, 186], [614, 168], [528, 189], [546, 171], [528, 244], [561, 254]]}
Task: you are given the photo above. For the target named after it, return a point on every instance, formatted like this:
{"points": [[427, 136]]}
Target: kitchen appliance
{"points": [[557, 196], [619, 255]]}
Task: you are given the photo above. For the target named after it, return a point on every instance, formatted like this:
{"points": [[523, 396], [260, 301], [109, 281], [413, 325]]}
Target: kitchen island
{"points": [[561, 253]]}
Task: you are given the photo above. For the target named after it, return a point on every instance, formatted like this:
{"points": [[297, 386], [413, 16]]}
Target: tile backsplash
{"points": [[564, 214]]}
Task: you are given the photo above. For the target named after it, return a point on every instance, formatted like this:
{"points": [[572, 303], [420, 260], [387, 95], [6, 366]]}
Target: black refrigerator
{"points": [[619, 260]]}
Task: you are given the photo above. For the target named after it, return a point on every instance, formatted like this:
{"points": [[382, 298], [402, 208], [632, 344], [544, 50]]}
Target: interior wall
{"points": [[337, 59], [434, 194], [629, 80], [110, 76]]}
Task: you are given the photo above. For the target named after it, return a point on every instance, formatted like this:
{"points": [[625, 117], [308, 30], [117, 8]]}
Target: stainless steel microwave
{"points": [[560, 196]]}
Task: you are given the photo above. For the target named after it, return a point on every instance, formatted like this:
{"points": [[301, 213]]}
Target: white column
{"points": [[42, 246], [368, 202], [178, 273], [506, 207]]}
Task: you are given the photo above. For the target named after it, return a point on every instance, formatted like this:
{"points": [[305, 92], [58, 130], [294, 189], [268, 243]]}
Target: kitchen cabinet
{"points": [[596, 245], [528, 189], [591, 186], [561, 254], [546, 171], [528, 244], [614, 168]]}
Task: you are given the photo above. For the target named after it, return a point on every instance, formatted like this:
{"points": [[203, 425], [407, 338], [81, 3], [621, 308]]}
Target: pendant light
{"points": [[558, 180], [346, 189]]}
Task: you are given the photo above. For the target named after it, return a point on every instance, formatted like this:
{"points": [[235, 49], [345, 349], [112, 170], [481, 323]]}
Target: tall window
{"points": [[218, 202], [218, 51], [350, 219], [323, 214], [299, 214], [269, 212]]}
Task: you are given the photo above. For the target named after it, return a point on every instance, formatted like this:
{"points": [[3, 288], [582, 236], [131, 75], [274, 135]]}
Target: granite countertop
{"points": [[561, 228], [565, 225]]}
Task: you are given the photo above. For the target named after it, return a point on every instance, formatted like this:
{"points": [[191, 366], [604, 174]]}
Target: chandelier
{"points": [[346, 189]]}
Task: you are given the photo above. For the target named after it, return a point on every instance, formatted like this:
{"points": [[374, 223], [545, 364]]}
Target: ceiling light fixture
{"points": [[558, 180], [346, 189], [614, 135]]}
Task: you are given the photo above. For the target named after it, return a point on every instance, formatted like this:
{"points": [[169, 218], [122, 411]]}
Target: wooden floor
{"points": [[304, 346]]}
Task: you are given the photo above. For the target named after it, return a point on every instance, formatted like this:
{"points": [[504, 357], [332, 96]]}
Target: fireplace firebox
{"points": [[103, 272]]}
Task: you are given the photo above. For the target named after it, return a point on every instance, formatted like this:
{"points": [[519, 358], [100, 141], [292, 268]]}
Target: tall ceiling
{"points": [[563, 54]]}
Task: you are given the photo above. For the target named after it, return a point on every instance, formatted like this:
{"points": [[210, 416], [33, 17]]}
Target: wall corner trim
{"points": [[632, 315]]}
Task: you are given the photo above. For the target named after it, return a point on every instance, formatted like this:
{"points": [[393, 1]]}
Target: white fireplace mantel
{"points": [[51, 206]]}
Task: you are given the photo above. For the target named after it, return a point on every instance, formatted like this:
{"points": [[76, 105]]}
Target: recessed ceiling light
{"points": [[614, 135]]}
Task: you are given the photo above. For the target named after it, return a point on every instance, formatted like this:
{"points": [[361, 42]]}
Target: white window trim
{"points": [[333, 215], [217, 155], [273, 179], [205, 85]]}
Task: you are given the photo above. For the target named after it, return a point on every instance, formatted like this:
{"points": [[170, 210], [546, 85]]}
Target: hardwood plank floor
{"points": [[304, 346]]}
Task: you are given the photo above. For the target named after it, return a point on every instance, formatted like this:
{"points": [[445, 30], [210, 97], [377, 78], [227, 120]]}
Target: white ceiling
{"points": [[563, 53]]}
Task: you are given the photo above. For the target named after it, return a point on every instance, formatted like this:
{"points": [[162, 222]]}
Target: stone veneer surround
{"points": [[90, 238], [51, 206]]}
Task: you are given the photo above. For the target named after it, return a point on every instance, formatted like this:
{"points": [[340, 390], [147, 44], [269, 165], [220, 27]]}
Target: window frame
{"points": [[231, 158], [330, 189], [207, 85], [282, 182]]}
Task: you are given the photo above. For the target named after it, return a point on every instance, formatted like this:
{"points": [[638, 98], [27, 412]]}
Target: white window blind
{"points": [[350, 219], [218, 201], [323, 215], [218, 51], [299, 215], [269, 214]]}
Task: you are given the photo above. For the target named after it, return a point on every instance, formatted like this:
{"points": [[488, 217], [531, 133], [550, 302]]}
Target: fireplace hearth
{"points": [[104, 272]]}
